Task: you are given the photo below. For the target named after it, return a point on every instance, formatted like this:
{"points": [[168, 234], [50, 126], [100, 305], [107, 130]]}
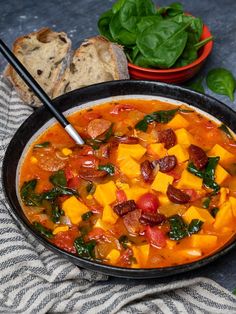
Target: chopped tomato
{"points": [[174, 174], [96, 234], [84, 161], [155, 237], [125, 257], [121, 107], [65, 240], [148, 203], [68, 173], [85, 150], [192, 193], [121, 196], [73, 183]]}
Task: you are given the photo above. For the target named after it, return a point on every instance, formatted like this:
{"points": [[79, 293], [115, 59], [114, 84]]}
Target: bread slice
{"points": [[44, 54], [96, 60]]}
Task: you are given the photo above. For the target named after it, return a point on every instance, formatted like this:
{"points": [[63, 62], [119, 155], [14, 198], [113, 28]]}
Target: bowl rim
{"points": [[96, 92], [206, 51]]}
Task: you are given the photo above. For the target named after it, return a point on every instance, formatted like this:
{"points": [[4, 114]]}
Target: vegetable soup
{"points": [[153, 186]]}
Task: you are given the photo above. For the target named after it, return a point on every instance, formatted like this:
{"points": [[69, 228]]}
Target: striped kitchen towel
{"points": [[35, 280]]}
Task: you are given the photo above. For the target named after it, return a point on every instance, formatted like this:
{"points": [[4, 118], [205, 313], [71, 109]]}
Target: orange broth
{"points": [[129, 240]]}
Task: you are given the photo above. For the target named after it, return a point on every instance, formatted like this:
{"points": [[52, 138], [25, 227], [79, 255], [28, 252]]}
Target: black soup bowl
{"points": [[93, 95]]}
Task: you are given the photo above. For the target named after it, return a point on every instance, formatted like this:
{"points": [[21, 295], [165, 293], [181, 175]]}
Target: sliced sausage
{"points": [[126, 139], [197, 156], [177, 196], [167, 137], [167, 163], [124, 208], [121, 107], [97, 127], [91, 174], [146, 169], [151, 219]]}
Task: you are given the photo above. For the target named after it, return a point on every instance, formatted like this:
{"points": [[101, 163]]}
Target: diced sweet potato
{"points": [[105, 194], [130, 167], [178, 122], [225, 156], [202, 214], [224, 216], [179, 152], [141, 253], [74, 209], [221, 174], [161, 182], [108, 215], [113, 256], [184, 138], [203, 241], [135, 151], [157, 149], [189, 181], [135, 192]]}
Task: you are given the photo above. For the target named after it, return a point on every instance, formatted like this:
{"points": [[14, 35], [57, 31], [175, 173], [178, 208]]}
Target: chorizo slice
{"points": [[177, 196], [198, 156], [167, 137], [97, 127], [124, 208], [91, 174], [146, 169], [167, 163], [126, 139], [151, 219]]}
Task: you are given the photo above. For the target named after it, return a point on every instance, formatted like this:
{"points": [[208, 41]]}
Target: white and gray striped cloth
{"points": [[35, 280]]}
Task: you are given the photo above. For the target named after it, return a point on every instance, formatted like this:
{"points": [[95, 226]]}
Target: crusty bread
{"points": [[96, 60], [43, 53]]}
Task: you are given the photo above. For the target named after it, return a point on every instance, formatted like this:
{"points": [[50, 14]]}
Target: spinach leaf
{"points": [[162, 116], [117, 6], [171, 10], [44, 231], [109, 168], [197, 86], [103, 24], [56, 213], [214, 211], [206, 202], [224, 128], [163, 43], [28, 196], [87, 215], [58, 191], [208, 174], [221, 81], [179, 229], [58, 178], [42, 145], [90, 188], [124, 241], [85, 249], [147, 21], [234, 291]]}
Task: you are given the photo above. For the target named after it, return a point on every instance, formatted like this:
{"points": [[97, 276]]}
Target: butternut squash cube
{"points": [[180, 153], [189, 181], [105, 194], [108, 215], [178, 122], [141, 253], [135, 192], [157, 149], [161, 182], [163, 199], [223, 195], [189, 253], [113, 256], [184, 138], [102, 225], [130, 167], [74, 209], [194, 212], [221, 174], [224, 154], [224, 216], [203, 241], [135, 151], [233, 204], [170, 244]]}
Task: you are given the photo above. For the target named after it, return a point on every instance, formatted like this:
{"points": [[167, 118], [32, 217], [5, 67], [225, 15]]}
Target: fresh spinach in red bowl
{"points": [[157, 41]]}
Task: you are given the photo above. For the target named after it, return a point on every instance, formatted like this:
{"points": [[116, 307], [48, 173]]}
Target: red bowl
{"points": [[174, 75]]}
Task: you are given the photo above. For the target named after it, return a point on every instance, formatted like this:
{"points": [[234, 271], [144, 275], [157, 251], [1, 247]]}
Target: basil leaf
{"points": [[58, 178], [224, 128], [85, 249], [163, 43], [42, 145], [109, 168], [162, 116], [44, 231], [28, 196], [87, 215], [221, 81]]}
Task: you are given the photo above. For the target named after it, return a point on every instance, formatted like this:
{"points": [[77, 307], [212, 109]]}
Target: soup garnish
{"points": [[153, 186]]}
